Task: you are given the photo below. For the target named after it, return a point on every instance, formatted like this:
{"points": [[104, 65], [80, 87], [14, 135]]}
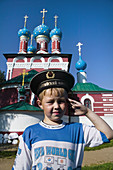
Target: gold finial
{"points": [[31, 38], [25, 20], [55, 20], [79, 48], [23, 74], [43, 15]]}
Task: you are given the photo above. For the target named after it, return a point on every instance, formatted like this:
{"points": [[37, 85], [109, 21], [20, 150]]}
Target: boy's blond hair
{"points": [[55, 91]]}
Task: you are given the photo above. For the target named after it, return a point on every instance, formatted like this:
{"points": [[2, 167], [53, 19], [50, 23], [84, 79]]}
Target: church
{"points": [[18, 107]]}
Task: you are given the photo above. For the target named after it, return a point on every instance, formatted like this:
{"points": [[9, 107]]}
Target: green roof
{"points": [[19, 78], [22, 105], [89, 87]]}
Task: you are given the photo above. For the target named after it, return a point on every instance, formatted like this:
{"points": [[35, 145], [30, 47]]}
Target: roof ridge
{"points": [[89, 87], [22, 105]]}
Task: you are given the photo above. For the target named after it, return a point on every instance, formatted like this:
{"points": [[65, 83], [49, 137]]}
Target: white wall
{"points": [[85, 120], [16, 121]]}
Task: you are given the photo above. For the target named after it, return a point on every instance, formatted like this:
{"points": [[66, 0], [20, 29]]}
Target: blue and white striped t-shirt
{"points": [[46, 147]]}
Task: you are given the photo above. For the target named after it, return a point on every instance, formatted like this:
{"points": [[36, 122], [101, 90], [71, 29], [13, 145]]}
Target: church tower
{"points": [[55, 36], [81, 66], [24, 35], [31, 49], [41, 35], [37, 58]]}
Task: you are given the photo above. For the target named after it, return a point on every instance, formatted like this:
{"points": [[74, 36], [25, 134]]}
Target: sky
{"points": [[87, 21]]}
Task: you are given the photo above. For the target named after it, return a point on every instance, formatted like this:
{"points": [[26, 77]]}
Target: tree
{"points": [[2, 76]]}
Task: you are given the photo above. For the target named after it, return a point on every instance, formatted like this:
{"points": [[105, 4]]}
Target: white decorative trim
{"points": [[7, 75], [42, 52], [104, 102], [108, 114], [33, 65], [37, 57], [107, 104], [22, 52], [87, 96], [42, 39], [54, 57], [110, 100], [104, 112], [15, 86], [104, 107], [10, 74], [44, 65], [107, 95], [24, 38], [9, 87], [63, 65], [19, 58], [55, 38], [56, 52]]}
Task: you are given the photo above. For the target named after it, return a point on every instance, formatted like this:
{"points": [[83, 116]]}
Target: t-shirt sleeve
{"points": [[93, 137], [23, 159]]}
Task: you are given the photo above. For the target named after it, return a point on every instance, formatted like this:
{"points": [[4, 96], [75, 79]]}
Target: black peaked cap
{"points": [[51, 78]]}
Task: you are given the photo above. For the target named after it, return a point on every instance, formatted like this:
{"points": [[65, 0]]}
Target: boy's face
{"points": [[54, 107]]}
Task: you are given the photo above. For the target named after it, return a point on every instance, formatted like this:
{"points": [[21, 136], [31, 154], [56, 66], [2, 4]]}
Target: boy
{"points": [[53, 144]]}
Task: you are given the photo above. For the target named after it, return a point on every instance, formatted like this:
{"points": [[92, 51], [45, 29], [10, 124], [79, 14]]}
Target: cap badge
{"points": [[50, 75]]}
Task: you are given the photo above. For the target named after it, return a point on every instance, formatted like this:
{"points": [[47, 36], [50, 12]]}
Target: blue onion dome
{"points": [[31, 49], [56, 31], [41, 30], [80, 65], [24, 32]]}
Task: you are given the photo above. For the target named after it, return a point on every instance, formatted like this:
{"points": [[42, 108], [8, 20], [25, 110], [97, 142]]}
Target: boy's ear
{"points": [[39, 104]]}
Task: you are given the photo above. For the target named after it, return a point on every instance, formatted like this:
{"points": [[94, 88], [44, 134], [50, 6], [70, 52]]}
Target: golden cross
{"points": [[43, 15], [55, 20], [25, 20], [31, 38], [23, 74]]}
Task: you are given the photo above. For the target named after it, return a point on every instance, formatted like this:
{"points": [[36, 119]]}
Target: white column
{"points": [[81, 77], [32, 99]]}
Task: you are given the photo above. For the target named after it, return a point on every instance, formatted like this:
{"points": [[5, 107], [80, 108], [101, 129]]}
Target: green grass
{"points": [[8, 154], [8, 150], [106, 166], [105, 145]]}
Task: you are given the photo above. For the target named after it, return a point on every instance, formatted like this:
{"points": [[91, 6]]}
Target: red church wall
{"points": [[10, 59], [102, 104], [8, 96], [20, 61], [37, 60], [55, 60], [65, 59], [17, 72]]}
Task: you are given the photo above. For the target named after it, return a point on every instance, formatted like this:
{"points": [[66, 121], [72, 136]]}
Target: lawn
{"points": [[105, 145], [106, 166]]}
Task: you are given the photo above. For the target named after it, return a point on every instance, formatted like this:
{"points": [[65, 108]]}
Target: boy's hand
{"points": [[77, 107]]}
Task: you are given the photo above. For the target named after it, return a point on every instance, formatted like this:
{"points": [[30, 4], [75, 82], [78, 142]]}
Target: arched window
{"points": [[87, 103]]}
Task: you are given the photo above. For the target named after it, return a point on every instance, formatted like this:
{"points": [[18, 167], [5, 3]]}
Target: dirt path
{"points": [[98, 157], [90, 157]]}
